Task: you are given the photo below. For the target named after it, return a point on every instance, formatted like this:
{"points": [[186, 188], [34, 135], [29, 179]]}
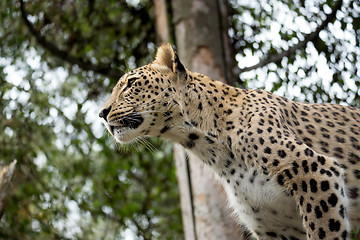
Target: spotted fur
{"points": [[291, 170]]}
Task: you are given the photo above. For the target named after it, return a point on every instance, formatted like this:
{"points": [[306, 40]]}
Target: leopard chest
{"points": [[257, 200], [262, 205]]}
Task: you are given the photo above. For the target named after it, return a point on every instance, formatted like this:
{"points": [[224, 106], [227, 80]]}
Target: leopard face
{"points": [[144, 100]]}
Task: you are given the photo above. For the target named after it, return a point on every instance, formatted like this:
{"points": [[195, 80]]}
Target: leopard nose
{"points": [[104, 113]]}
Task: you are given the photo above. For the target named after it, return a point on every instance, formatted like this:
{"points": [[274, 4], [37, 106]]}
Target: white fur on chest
{"points": [[262, 205], [258, 201]]}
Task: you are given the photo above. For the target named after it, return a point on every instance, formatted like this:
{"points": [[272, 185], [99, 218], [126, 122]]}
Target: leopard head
{"points": [[145, 100]]}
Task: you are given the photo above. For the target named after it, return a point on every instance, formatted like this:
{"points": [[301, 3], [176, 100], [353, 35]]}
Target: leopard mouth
{"points": [[123, 130], [132, 120]]}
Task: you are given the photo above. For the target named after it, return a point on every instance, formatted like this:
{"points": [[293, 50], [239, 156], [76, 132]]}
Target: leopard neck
{"points": [[208, 105], [206, 119]]}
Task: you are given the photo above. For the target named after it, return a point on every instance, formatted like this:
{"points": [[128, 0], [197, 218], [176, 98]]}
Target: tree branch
{"points": [[64, 55], [310, 37]]}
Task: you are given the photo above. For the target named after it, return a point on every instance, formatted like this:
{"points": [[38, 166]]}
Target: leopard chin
{"points": [[124, 134]]}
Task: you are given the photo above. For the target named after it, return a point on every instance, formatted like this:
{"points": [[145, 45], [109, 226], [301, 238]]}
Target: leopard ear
{"points": [[168, 57]]}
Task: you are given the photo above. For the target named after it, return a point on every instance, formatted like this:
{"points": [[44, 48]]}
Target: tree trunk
{"points": [[161, 22], [181, 162], [6, 173], [203, 46]]}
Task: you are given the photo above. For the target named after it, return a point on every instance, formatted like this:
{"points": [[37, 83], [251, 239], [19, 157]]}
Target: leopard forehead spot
{"points": [[290, 169]]}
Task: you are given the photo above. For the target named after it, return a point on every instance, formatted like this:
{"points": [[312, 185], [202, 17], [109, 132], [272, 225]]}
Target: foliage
{"points": [[325, 69], [58, 60]]}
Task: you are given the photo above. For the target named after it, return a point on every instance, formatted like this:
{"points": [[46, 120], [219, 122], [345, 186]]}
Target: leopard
{"points": [[291, 170]]}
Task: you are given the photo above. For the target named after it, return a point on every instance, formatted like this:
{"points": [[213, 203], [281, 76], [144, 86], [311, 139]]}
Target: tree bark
{"points": [[203, 46], [6, 173], [161, 22], [181, 162]]}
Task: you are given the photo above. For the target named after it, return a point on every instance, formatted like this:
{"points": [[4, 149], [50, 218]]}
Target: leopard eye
{"points": [[130, 81]]}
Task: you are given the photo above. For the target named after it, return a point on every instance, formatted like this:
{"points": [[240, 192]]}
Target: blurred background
{"points": [[58, 63]]}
